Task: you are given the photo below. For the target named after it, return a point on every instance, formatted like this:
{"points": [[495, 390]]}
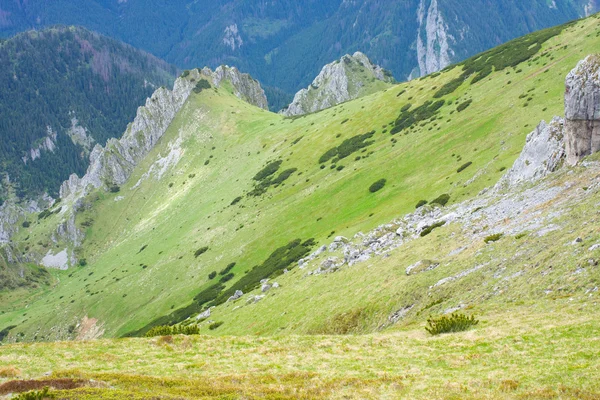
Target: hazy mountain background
{"points": [[285, 43]]}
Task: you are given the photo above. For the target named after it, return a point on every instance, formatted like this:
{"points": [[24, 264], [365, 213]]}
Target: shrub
{"points": [[212, 275], [201, 85], [377, 186], [268, 170], [215, 325], [429, 228], [348, 146], [409, 118], [520, 236], [82, 262], [406, 107], [456, 322], [421, 203], [200, 251], [185, 73], [228, 268], [43, 394], [283, 176], [464, 166], [166, 330], [114, 189], [442, 200], [227, 277], [493, 238], [26, 224], [236, 200], [463, 106]]}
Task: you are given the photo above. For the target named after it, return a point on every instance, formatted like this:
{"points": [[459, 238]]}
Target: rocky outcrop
{"points": [[582, 109], [543, 153], [346, 79], [433, 40], [246, 87], [114, 163]]}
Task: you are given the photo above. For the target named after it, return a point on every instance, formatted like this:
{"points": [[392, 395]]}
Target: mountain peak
{"points": [[345, 79]]}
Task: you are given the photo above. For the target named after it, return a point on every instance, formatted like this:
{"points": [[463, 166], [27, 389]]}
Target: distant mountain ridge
{"points": [[64, 90], [284, 44]]}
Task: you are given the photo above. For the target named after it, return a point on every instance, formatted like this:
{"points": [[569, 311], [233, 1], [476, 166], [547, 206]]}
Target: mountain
{"points": [[285, 43], [346, 79], [66, 89], [312, 252]]}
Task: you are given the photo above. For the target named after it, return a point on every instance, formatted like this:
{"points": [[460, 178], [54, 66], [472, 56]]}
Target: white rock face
{"points": [[58, 261], [337, 82], [246, 87], [582, 109], [543, 152], [433, 40]]}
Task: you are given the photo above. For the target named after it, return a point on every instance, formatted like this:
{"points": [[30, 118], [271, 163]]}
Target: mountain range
{"points": [[284, 44]]}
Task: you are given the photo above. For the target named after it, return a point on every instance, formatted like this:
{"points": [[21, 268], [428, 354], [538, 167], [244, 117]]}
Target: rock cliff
{"points": [[245, 87], [582, 109], [346, 79]]}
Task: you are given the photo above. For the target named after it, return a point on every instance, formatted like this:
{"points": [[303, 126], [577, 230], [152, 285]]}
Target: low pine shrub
{"points": [[26, 224], [464, 166], [377, 186], [442, 200], [43, 394], [200, 251], [228, 268], [212, 275], [463, 106], [493, 238], [421, 203], [227, 277], [236, 200], [429, 228], [201, 85], [456, 322], [166, 330], [215, 325], [114, 189]]}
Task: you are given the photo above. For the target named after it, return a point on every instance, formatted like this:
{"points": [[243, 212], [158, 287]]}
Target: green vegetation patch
{"points": [[408, 117], [456, 322], [464, 166], [377, 186], [441, 200], [165, 330], [348, 147], [430, 228], [201, 85]]}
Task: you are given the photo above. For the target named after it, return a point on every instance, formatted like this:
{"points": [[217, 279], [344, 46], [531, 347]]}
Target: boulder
{"points": [[236, 295]]}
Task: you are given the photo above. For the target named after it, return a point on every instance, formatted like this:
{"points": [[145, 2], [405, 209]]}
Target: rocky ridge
{"points": [[246, 87], [346, 79]]}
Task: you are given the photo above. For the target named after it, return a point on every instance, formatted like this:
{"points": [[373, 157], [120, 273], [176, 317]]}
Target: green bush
{"points": [[429, 228], [185, 73], [212, 275], [165, 330], [409, 118], [348, 146], [493, 238], [114, 189], [227, 277], [228, 268], [268, 170], [406, 107], [421, 203], [236, 200], [215, 325], [442, 200], [200, 251], [82, 262], [377, 186], [463, 106], [26, 224], [283, 176], [201, 85], [43, 394], [464, 166], [456, 322]]}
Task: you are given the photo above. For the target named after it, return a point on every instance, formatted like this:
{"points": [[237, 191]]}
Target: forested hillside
{"points": [[65, 90], [285, 43]]}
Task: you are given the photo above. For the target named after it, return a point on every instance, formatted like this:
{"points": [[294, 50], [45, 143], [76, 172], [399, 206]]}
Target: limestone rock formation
{"points": [[543, 152], [346, 79], [582, 109], [246, 87]]}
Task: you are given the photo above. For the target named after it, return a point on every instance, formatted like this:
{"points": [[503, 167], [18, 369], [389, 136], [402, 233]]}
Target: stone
{"points": [[594, 247], [582, 109], [421, 266], [236, 295], [203, 315], [578, 240], [266, 287], [542, 154]]}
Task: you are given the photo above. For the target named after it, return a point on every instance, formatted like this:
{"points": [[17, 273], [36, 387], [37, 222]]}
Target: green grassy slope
{"points": [[140, 249]]}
